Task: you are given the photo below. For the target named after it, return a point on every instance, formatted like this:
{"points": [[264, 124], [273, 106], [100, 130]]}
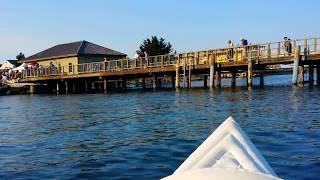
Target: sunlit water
{"points": [[147, 135]]}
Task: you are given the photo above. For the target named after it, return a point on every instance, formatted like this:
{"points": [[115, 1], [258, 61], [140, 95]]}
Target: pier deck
{"points": [[181, 67]]}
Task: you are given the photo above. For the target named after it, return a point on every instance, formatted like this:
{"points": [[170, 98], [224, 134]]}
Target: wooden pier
{"points": [[181, 68]]}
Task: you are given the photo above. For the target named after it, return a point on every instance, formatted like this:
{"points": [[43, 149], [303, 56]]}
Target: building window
{"points": [[70, 67]]}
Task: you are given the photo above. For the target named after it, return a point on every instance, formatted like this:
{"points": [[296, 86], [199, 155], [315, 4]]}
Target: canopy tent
{"points": [[20, 68], [7, 65]]}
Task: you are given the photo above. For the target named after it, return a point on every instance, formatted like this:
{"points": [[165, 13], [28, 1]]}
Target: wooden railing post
{"points": [[162, 61], [244, 54], [305, 52], [235, 57], [315, 45], [269, 50], [121, 64]]}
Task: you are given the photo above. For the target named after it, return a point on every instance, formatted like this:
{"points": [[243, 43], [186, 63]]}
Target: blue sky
{"points": [[34, 25]]}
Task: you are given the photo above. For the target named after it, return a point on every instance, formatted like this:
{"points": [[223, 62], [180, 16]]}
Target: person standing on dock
{"points": [[287, 45], [105, 61], [244, 42], [146, 56], [230, 50]]}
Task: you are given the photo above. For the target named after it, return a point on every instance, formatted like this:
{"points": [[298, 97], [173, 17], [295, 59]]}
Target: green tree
{"points": [[155, 47], [20, 56]]}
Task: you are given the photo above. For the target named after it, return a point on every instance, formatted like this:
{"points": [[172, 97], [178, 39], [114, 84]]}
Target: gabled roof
{"points": [[14, 62], [73, 49], [9, 64]]}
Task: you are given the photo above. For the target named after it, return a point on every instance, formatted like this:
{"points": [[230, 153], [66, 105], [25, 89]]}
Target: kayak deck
{"points": [[226, 151]]}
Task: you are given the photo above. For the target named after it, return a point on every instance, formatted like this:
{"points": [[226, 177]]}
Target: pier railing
{"points": [[127, 64], [114, 65], [262, 53], [274, 51]]}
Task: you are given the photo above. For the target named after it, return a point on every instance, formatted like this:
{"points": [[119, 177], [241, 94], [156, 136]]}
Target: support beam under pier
{"points": [[86, 86], [261, 79], [233, 78], [212, 72], [250, 73], [173, 82], [177, 83], [58, 89], [218, 76], [296, 66], [318, 73], [205, 81], [301, 74], [144, 83], [311, 75], [105, 85], [154, 82], [66, 85]]}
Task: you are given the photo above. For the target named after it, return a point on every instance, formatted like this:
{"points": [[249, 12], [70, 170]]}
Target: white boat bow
{"points": [[226, 154]]}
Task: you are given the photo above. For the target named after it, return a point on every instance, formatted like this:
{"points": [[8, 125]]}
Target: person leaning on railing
{"points": [[230, 50], [287, 45]]}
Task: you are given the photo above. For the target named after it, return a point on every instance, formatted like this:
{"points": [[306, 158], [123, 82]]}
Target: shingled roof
{"points": [[73, 49]]}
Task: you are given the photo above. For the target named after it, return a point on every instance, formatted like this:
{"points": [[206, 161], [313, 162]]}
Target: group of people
{"points": [[243, 42], [10, 75], [230, 54]]}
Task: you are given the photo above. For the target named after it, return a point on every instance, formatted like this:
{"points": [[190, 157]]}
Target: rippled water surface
{"points": [[147, 135]]}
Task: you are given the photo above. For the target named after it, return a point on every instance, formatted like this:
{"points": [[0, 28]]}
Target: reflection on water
{"points": [[147, 135]]}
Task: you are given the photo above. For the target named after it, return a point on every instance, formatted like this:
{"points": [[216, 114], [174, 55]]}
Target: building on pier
{"points": [[70, 55]]}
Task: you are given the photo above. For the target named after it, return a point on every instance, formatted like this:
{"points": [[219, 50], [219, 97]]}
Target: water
{"points": [[147, 135]]}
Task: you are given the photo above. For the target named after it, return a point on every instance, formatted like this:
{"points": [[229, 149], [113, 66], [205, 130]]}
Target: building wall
{"points": [[91, 59], [63, 63]]}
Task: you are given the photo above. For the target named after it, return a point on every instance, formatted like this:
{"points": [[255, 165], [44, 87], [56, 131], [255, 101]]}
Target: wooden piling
{"points": [[159, 83], [261, 79], [233, 78], [318, 73], [32, 89], [105, 85], [144, 83], [212, 71], [172, 82], [154, 83], [301, 74], [58, 88], [296, 65], [93, 87], [218, 75], [250, 72], [66, 84], [73, 86], [124, 84], [189, 76], [177, 83], [311, 74], [205, 81], [184, 72], [86, 86]]}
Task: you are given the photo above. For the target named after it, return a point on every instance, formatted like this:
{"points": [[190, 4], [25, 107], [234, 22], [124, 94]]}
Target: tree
{"points": [[20, 56], [155, 47]]}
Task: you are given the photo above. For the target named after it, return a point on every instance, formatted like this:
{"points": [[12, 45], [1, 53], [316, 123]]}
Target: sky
{"points": [[35, 25]]}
